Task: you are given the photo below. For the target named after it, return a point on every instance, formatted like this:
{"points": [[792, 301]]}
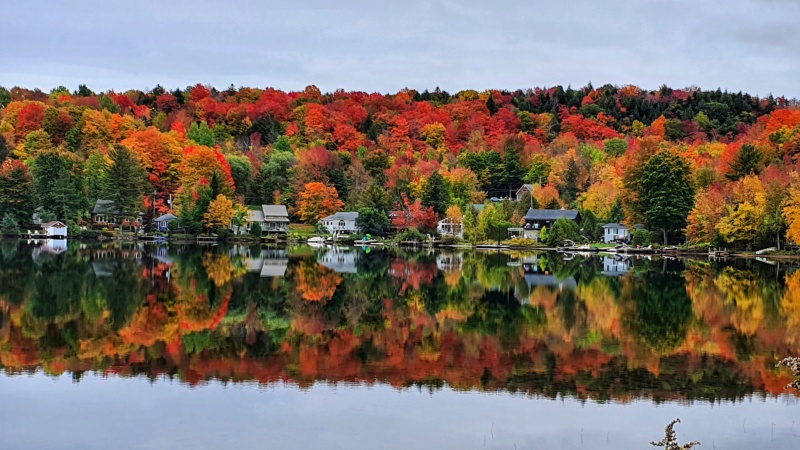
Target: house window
{"points": [[341, 224]]}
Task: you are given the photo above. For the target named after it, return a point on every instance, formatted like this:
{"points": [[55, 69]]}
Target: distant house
{"points": [[54, 229], [446, 227], [341, 222], [253, 216], [536, 219], [523, 189], [276, 219], [104, 213], [162, 222], [615, 232]]}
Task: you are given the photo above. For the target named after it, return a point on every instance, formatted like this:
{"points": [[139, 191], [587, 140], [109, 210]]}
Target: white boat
{"points": [[316, 241]]}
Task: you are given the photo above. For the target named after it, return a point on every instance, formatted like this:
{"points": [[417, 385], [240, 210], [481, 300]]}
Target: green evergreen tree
{"points": [[372, 221], [125, 180], [571, 187], [436, 193], [749, 160], [490, 105], [58, 184], [667, 191]]}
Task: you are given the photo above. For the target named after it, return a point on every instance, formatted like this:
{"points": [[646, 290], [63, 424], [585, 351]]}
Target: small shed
{"points": [[54, 229]]}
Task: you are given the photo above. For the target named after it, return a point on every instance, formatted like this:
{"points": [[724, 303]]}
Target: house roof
{"points": [[166, 218], [55, 224], [254, 215], [275, 213], [551, 214], [343, 215], [106, 207], [614, 225], [103, 207], [527, 186]]}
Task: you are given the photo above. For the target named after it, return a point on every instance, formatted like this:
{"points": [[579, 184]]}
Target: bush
{"points": [[641, 238], [562, 230], [73, 229], [173, 226], [411, 234], [255, 229], [10, 226]]}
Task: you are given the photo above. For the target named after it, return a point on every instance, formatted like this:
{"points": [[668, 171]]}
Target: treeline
{"points": [[709, 166]]}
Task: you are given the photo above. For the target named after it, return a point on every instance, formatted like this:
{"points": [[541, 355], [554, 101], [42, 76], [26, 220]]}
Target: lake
{"points": [[125, 345]]}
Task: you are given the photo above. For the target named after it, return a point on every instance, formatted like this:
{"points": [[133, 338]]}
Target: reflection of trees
{"points": [[404, 321], [663, 310], [314, 282]]}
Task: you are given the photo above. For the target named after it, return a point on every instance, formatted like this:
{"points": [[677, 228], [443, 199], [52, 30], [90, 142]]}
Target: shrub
{"points": [[562, 230], [255, 229], [641, 238], [411, 234], [9, 226]]}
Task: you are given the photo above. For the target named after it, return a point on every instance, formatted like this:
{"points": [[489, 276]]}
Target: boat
{"points": [[571, 246], [316, 240]]}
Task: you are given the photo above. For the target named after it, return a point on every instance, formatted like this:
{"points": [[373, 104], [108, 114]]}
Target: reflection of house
{"points": [[269, 262], [447, 262], [522, 190], [613, 232], [162, 222], [276, 219], [104, 213], [54, 246], [341, 222], [616, 265], [446, 227], [54, 229], [339, 259], [536, 219]]}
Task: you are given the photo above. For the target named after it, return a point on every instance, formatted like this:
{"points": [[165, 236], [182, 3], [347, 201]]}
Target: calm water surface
{"points": [[126, 346]]}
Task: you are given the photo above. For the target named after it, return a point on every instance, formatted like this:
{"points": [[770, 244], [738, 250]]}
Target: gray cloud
{"points": [[384, 46]]}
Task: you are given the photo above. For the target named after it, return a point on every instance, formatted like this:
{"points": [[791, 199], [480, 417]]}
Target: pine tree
{"points": [[124, 181], [667, 191], [436, 194], [747, 161], [490, 104]]}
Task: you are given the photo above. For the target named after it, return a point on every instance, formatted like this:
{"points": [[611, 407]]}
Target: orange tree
{"points": [[318, 201]]}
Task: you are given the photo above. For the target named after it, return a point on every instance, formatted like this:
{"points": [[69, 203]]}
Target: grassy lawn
{"points": [[302, 230], [603, 245]]}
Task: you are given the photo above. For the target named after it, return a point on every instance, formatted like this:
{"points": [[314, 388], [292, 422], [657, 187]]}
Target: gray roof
{"points": [[275, 213], [103, 207], [614, 225], [343, 215], [166, 218], [107, 207], [551, 214], [528, 186], [255, 215]]}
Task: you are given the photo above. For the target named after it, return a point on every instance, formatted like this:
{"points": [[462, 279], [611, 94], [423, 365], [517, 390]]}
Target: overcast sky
{"points": [[386, 45]]}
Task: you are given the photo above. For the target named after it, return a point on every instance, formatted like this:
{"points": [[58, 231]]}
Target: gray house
{"points": [[341, 222], [276, 219], [536, 219]]}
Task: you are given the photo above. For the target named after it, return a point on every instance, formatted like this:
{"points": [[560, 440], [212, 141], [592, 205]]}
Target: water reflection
{"points": [[607, 328]]}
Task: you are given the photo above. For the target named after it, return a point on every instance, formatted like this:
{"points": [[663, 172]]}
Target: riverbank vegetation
{"points": [[710, 167]]}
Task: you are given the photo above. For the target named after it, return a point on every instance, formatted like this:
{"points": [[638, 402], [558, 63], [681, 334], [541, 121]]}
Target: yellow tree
{"points": [[791, 212], [743, 221], [318, 201], [219, 214]]}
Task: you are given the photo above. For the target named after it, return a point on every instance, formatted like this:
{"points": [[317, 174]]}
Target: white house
{"points": [[613, 232], [446, 227], [54, 229], [341, 222]]}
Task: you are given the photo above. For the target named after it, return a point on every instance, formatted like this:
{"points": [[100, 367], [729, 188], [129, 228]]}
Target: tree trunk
{"points": [[665, 236]]}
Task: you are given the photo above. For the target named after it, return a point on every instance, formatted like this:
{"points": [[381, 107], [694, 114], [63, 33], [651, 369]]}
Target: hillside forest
{"points": [[709, 167]]}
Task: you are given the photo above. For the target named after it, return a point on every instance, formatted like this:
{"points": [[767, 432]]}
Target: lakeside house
{"points": [[162, 222], [523, 189], [537, 219], [615, 232], [276, 219], [341, 222], [104, 213], [447, 227], [54, 229]]}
